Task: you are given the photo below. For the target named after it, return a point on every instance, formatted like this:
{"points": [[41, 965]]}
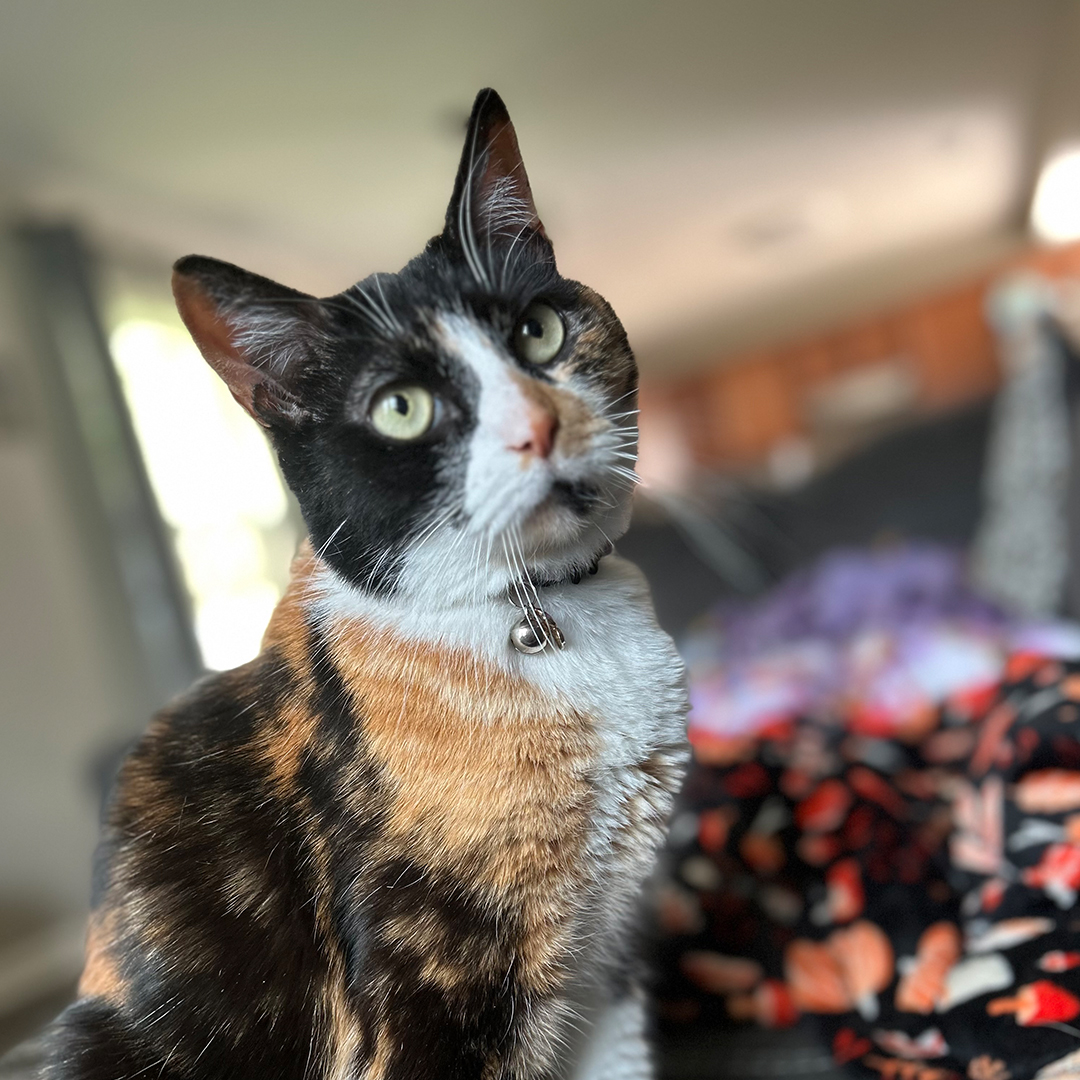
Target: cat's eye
{"points": [[539, 334], [402, 412]]}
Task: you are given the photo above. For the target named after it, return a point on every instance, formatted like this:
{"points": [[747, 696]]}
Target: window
{"points": [[214, 475]]}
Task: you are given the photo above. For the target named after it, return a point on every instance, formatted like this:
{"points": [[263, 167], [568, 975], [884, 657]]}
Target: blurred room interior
{"points": [[826, 224]]}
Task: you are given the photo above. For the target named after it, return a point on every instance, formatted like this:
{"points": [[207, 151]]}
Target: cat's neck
{"points": [[318, 588], [478, 621], [453, 569]]}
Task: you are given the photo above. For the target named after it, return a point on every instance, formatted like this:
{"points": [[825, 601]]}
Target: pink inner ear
{"points": [[505, 167], [214, 337]]}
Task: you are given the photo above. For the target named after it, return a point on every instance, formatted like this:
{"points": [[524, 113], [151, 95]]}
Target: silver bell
{"points": [[536, 632], [525, 639]]}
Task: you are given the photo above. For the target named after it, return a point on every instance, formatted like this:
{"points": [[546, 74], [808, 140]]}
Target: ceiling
{"points": [[719, 169]]}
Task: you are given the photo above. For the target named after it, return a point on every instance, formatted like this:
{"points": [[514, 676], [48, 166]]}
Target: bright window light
{"points": [[216, 482], [1055, 210]]}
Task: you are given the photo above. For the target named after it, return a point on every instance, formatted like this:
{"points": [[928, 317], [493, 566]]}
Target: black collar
{"points": [[577, 575]]}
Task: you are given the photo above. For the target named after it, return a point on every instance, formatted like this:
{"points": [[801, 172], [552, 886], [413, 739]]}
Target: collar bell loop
{"points": [[536, 631]]}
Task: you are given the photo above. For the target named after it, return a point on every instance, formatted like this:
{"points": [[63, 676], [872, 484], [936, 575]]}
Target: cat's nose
{"points": [[541, 427]]}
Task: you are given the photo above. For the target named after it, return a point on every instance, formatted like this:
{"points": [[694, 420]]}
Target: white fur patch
{"points": [[616, 1047], [501, 484]]}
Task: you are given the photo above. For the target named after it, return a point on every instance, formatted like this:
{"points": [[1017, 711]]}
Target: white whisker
{"points": [[393, 319], [622, 397], [330, 539], [367, 307]]}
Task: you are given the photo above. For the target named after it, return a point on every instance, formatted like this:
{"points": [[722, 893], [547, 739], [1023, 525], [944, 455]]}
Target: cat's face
{"points": [[446, 424]]}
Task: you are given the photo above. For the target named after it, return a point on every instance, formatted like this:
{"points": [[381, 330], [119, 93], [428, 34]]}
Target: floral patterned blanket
{"points": [[911, 881]]}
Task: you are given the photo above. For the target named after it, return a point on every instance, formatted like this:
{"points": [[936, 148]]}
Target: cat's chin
{"points": [[555, 534], [549, 525]]}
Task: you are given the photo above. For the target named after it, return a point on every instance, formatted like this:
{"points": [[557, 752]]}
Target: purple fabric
{"points": [[887, 634]]}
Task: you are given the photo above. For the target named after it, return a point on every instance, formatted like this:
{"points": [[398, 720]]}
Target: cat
{"points": [[407, 840]]}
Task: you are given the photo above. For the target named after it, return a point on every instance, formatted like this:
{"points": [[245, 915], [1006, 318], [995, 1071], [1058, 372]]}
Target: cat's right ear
{"points": [[256, 334], [492, 203]]}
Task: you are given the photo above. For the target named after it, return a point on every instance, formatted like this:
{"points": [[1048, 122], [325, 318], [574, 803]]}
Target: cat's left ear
{"points": [[492, 202], [259, 336]]}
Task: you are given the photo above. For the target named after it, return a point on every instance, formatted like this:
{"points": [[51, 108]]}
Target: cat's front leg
{"points": [[617, 1047]]}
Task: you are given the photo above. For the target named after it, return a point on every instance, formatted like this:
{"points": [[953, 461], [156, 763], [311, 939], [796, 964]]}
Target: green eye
{"points": [[402, 412], [539, 335]]}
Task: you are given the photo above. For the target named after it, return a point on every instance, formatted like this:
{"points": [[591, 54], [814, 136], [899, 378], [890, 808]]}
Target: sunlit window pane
{"points": [[216, 481], [1055, 209]]}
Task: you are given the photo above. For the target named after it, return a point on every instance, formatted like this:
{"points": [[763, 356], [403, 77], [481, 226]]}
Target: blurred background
{"points": [[841, 234]]}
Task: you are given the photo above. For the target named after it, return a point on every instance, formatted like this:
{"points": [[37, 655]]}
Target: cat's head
{"points": [[444, 424]]}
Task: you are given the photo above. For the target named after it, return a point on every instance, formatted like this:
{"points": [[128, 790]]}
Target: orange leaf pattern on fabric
{"points": [[934, 872], [923, 985]]}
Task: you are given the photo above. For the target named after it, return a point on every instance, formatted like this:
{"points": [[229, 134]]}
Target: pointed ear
{"points": [[492, 200], [257, 335]]}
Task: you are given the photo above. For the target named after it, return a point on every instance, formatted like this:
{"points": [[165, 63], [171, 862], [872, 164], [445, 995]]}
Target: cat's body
{"points": [[394, 846]]}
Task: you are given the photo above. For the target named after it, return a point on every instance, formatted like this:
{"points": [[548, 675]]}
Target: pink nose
{"points": [[542, 428]]}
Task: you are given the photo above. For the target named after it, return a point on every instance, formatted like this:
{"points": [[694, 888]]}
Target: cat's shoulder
{"points": [[619, 662]]}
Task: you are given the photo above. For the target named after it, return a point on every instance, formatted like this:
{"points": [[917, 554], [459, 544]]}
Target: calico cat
{"points": [[407, 840]]}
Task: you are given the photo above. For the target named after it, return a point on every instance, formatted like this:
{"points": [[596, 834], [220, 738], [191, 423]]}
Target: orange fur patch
{"points": [[488, 779], [343, 1034], [289, 733], [100, 977], [288, 631], [285, 739]]}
